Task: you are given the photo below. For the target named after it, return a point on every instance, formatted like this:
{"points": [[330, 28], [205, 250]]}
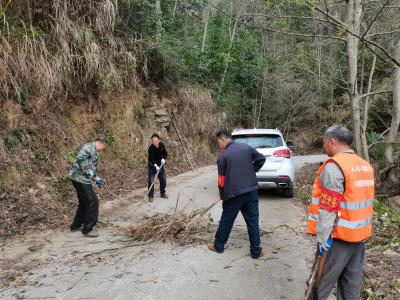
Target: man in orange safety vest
{"points": [[344, 187]]}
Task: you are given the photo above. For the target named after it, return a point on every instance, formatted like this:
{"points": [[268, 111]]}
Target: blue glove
{"points": [[158, 169], [100, 181], [89, 174], [328, 247]]}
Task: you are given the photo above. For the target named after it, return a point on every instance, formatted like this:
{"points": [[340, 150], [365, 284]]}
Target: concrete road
{"points": [[65, 265]]}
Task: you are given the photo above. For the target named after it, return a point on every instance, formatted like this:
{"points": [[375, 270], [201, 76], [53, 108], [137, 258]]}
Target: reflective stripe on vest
{"points": [[354, 224], [349, 205], [343, 223], [315, 201], [356, 205], [313, 217]]}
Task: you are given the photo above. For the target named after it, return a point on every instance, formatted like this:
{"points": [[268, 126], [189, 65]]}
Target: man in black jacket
{"points": [[238, 185], [157, 154]]}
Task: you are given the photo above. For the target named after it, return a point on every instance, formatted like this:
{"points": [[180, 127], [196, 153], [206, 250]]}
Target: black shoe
{"points": [[261, 255], [75, 228]]}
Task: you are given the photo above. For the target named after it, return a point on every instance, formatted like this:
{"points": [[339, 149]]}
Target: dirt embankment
{"points": [[382, 266], [37, 147]]}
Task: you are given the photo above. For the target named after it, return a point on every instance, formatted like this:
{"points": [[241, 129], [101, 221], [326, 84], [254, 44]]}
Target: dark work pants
{"points": [[344, 265], [161, 176], [88, 207], [247, 204]]}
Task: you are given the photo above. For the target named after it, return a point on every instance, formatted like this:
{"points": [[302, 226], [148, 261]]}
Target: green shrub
{"points": [[11, 141], [110, 138], [71, 156], [40, 158], [377, 151], [388, 225]]}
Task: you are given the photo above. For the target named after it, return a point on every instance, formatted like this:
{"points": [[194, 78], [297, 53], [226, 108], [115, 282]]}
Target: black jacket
{"points": [[155, 155], [237, 168]]}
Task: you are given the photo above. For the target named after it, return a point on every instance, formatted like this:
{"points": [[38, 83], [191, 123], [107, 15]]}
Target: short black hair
{"points": [[155, 135], [224, 134], [341, 133], [102, 141]]}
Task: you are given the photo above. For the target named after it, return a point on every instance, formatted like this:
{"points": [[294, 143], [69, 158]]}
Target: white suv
{"points": [[278, 170]]}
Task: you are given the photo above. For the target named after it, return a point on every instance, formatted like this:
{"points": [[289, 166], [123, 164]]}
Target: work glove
{"points": [[163, 161], [325, 248], [158, 169], [89, 174], [100, 181]]}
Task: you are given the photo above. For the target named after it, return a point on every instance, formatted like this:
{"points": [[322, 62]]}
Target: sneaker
{"points": [[164, 195], [92, 233], [151, 199]]}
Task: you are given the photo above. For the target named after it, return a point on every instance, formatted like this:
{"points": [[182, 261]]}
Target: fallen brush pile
{"points": [[18, 215], [163, 226]]}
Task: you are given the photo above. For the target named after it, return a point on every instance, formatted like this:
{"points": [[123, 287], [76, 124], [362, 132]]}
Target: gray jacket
{"points": [[86, 160]]}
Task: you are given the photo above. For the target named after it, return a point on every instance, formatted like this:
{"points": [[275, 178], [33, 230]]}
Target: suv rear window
{"points": [[260, 140]]}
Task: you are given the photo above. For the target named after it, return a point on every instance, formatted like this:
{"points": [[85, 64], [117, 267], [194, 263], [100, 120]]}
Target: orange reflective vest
{"points": [[356, 207]]}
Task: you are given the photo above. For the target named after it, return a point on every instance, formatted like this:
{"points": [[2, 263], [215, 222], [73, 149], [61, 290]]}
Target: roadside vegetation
{"points": [[71, 71]]}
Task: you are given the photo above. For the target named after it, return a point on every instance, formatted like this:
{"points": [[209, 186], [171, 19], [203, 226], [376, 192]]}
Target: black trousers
{"points": [[247, 204], [88, 207], [162, 176]]}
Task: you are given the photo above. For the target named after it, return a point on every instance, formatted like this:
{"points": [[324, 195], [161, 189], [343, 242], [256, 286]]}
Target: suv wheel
{"points": [[288, 193]]}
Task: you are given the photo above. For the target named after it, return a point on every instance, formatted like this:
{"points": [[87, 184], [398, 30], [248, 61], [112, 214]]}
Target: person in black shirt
{"points": [[157, 154]]}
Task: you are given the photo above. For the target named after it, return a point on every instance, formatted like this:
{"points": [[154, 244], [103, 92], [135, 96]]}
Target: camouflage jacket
{"points": [[86, 160]]}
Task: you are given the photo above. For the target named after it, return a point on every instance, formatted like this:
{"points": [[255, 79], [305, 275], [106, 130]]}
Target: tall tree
{"points": [[353, 20], [394, 126]]}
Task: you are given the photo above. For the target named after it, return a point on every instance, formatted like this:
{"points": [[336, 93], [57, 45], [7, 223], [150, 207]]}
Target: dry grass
{"points": [[196, 113], [62, 47], [161, 226], [19, 215], [304, 182]]}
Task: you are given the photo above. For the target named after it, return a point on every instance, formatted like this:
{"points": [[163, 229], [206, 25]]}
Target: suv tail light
{"points": [[286, 153]]}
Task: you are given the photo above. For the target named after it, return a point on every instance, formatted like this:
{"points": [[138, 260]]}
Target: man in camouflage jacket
{"points": [[82, 174]]}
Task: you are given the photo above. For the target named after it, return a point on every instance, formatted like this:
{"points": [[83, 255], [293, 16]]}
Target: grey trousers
{"points": [[344, 266]]}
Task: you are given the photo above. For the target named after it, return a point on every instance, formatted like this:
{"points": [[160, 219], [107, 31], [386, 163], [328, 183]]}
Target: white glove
{"points": [[163, 161]]}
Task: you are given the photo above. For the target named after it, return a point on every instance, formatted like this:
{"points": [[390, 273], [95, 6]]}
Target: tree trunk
{"points": [[366, 110], [388, 179], [353, 21], [232, 37], [159, 20], [205, 30], [394, 126], [175, 6]]}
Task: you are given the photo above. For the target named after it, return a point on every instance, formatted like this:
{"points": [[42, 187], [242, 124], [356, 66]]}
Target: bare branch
{"points": [[383, 33], [301, 34], [362, 39], [376, 93], [274, 30], [382, 142], [374, 19], [323, 79], [272, 16]]}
